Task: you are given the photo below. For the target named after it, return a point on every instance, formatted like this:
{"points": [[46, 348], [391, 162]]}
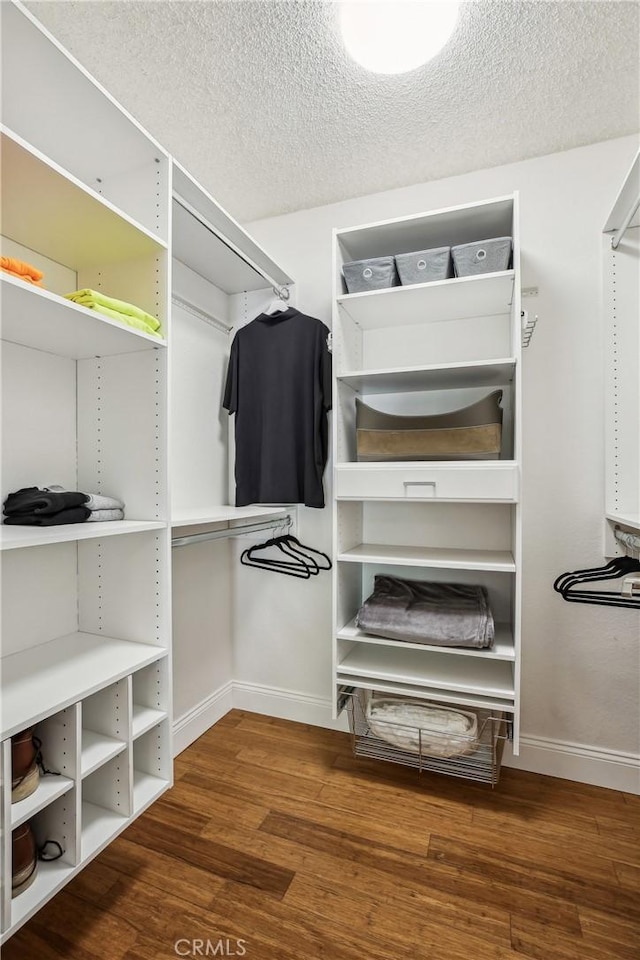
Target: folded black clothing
{"points": [[33, 501], [72, 515]]}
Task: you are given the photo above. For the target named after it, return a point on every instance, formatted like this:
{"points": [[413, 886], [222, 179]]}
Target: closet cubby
{"points": [[51, 101], [78, 241], [58, 735], [106, 803], [106, 717], [59, 822], [150, 697], [151, 770], [429, 349], [420, 400]]}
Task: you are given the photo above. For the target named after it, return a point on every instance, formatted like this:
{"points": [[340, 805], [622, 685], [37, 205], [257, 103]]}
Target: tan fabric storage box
{"points": [[473, 433]]}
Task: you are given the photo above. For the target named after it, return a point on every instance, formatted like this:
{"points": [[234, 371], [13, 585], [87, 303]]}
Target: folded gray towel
{"points": [[99, 515], [442, 614], [95, 501]]}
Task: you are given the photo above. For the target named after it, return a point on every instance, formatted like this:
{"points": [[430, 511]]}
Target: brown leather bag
{"points": [[473, 433]]}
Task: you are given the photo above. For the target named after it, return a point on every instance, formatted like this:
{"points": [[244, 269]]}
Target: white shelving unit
{"points": [[86, 636], [429, 348], [87, 617]]}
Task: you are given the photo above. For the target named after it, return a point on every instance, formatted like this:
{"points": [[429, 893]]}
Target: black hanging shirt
{"points": [[279, 387]]}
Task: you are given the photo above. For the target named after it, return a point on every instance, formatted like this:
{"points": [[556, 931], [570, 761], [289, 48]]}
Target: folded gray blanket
{"points": [[442, 614]]}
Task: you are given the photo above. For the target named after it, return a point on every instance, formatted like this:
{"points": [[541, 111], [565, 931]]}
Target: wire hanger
{"points": [[280, 303]]}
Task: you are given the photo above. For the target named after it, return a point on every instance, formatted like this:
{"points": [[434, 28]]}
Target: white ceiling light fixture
{"points": [[394, 37]]}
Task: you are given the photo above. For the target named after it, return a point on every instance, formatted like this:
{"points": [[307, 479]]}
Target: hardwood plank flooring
{"points": [[276, 844]]}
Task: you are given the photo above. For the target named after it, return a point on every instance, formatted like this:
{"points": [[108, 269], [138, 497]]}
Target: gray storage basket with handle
{"points": [[376, 273], [483, 256], [424, 266]]}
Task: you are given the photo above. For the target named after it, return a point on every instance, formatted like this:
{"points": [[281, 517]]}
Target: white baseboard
{"points": [[197, 721], [552, 758], [577, 761], [286, 705]]}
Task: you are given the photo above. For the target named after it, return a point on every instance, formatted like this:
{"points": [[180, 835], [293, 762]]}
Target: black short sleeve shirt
{"points": [[279, 388]]}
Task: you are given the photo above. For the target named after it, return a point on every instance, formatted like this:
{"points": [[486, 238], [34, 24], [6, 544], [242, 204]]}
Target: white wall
{"points": [[581, 664]]}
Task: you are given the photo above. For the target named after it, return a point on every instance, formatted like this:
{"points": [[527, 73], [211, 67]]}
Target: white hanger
{"points": [[280, 303]]}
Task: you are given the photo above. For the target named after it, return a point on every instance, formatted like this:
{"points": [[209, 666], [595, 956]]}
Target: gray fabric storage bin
{"points": [[424, 266], [484, 256], [374, 274]]}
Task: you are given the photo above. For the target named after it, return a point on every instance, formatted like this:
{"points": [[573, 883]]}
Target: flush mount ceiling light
{"points": [[395, 37]]}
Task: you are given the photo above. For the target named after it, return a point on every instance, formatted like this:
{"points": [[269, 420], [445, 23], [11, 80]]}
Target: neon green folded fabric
{"points": [[98, 301]]}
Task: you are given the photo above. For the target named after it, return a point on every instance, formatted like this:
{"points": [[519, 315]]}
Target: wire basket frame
{"points": [[479, 758]]}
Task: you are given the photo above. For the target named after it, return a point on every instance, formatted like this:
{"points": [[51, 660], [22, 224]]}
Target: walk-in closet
{"points": [[320, 468]]}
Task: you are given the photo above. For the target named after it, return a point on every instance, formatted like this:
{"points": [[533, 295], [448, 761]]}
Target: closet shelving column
{"points": [[86, 608], [218, 268], [429, 348], [621, 309]]}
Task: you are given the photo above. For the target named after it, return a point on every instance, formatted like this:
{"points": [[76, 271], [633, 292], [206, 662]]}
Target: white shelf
{"points": [[487, 295], [15, 537], [51, 877], [48, 210], [436, 557], [45, 679], [39, 319], [224, 514], [447, 376], [631, 520], [49, 789], [146, 789], [145, 718], [99, 826], [225, 254], [97, 750], [448, 226], [503, 646], [429, 693], [487, 678]]}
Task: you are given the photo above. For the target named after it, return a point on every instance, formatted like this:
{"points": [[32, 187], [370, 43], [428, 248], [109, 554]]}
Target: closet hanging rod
{"points": [[201, 314], [283, 523], [220, 236], [620, 232]]}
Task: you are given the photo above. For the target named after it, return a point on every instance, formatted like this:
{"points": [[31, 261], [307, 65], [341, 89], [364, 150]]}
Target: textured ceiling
{"points": [[260, 102]]}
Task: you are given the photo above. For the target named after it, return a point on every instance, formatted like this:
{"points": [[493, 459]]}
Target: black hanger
{"points": [[301, 563], [567, 584], [297, 568], [304, 550]]}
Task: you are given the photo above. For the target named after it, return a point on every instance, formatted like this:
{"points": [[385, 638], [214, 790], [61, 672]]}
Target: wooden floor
{"points": [[275, 844]]}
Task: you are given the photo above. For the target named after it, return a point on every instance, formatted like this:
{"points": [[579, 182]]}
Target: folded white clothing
{"points": [[99, 515], [97, 502]]}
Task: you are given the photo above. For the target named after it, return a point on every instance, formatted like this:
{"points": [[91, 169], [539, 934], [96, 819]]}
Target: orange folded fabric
{"points": [[22, 276], [18, 268]]}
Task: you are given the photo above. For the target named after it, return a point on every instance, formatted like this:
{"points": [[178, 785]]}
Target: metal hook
{"points": [[282, 293]]}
